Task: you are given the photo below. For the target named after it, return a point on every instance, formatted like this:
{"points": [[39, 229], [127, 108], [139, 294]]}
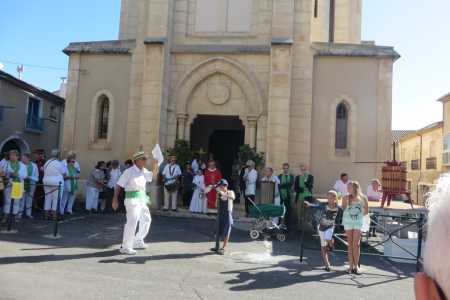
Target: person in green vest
{"points": [[26, 204], [303, 187], [71, 178], [14, 171], [285, 187]]}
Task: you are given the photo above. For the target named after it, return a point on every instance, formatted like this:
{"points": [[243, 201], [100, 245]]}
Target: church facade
{"points": [[291, 78]]}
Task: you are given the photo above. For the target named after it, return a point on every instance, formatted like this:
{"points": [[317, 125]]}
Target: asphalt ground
{"points": [[84, 264]]}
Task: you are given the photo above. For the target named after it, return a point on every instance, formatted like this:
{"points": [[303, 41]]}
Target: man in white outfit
{"points": [[26, 204], [134, 181], [171, 174], [250, 178], [341, 185], [14, 171], [54, 171]]}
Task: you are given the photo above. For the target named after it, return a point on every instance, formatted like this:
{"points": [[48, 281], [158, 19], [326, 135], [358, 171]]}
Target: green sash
{"points": [[72, 171], [27, 185], [138, 194], [285, 192], [302, 180]]}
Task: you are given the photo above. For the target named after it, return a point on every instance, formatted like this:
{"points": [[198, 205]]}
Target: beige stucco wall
{"points": [[355, 81], [101, 74], [417, 146]]}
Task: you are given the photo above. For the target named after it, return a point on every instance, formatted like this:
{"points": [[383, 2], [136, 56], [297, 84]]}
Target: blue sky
{"points": [[35, 32]]}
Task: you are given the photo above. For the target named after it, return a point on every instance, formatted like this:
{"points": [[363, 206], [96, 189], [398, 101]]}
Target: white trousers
{"points": [[51, 197], [170, 197], [91, 198], [7, 202], [67, 202], [26, 203], [137, 211]]}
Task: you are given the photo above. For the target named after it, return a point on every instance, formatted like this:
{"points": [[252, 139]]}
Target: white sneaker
{"points": [[127, 251], [140, 245]]}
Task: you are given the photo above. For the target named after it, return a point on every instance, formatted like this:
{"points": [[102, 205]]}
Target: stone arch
{"points": [[349, 153], [23, 145], [226, 66], [95, 104]]}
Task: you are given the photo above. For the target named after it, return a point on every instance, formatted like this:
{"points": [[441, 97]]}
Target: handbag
{"points": [[171, 185], [16, 190]]}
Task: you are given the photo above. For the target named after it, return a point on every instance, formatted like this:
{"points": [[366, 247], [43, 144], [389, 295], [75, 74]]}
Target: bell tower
{"points": [[336, 21], [128, 20]]}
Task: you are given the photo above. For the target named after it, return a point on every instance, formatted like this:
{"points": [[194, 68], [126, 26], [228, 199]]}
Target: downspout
{"points": [[420, 169]]}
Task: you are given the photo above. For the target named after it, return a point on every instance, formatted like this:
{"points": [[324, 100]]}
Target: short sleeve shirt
{"points": [[133, 179]]}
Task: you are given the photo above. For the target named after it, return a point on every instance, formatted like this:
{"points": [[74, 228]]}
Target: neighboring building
{"points": [[30, 117], [421, 151], [291, 78], [396, 136], [446, 132]]}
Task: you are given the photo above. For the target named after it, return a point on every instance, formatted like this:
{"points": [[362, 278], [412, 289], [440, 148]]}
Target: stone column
{"points": [[279, 104], [152, 95], [181, 126], [252, 122], [69, 129]]}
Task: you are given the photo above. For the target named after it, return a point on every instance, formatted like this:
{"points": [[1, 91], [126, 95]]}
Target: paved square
{"points": [[85, 264]]}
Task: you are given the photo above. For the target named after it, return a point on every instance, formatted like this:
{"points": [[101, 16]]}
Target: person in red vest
{"points": [[212, 177]]}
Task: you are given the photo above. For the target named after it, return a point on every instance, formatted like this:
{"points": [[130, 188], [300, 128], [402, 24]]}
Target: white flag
{"points": [[157, 154]]}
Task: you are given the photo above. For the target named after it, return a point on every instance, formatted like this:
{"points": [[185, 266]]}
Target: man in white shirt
{"points": [[341, 185], [133, 181], [26, 204], [171, 177], [54, 171], [250, 179], [14, 171]]}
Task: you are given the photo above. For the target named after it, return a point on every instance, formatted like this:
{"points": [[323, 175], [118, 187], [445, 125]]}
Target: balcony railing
{"points": [[35, 123]]}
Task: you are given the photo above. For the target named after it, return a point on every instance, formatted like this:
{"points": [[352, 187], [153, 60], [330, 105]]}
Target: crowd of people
{"points": [[194, 184]]}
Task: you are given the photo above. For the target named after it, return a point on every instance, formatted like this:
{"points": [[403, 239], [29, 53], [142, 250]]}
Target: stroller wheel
{"points": [[254, 234], [281, 237]]}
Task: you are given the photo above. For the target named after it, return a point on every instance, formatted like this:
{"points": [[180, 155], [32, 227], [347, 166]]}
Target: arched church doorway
{"points": [[219, 137]]}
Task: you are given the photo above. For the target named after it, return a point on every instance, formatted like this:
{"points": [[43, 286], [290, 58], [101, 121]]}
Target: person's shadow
{"points": [[271, 277], [144, 259]]}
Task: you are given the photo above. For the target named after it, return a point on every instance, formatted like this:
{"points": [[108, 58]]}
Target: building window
{"points": [[415, 164], [34, 114], [103, 116], [53, 113], [316, 8], [341, 126], [431, 163], [223, 16]]}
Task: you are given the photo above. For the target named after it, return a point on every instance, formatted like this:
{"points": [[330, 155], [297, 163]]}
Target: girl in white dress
{"points": [[198, 198]]}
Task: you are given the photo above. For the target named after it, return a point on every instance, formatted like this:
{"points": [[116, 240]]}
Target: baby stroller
{"points": [[263, 223]]}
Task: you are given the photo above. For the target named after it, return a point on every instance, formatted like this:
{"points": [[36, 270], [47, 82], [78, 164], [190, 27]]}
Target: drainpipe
{"points": [[420, 169]]}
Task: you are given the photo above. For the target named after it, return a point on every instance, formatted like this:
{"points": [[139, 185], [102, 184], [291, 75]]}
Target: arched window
{"points": [[341, 126], [103, 116]]}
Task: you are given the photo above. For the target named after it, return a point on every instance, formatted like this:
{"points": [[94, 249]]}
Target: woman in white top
{"points": [[26, 204], [269, 177], [198, 201], [374, 192], [53, 180]]}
